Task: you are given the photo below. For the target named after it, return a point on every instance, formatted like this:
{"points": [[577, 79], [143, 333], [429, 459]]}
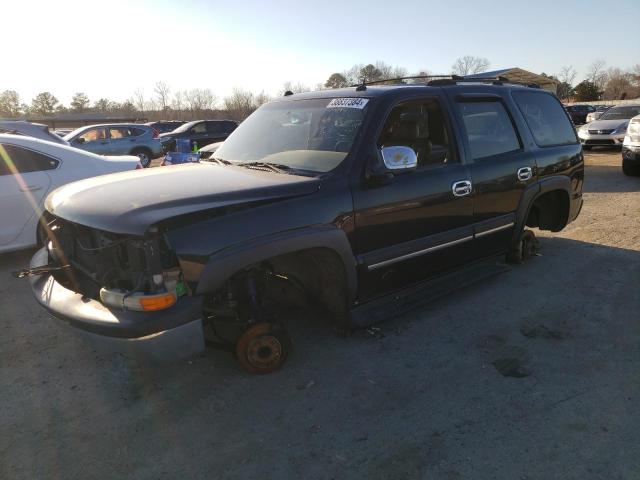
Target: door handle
{"points": [[30, 188], [524, 174], [462, 188]]}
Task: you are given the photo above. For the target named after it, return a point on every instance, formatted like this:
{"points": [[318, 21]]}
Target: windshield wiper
{"points": [[274, 167], [218, 160]]}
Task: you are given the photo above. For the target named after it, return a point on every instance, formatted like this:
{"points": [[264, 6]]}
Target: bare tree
{"points": [[298, 87], [200, 99], [177, 104], [240, 104], [353, 74], [596, 74], [138, 95], [162, 91], [567, 74], [261, 99], [635, 73], [619, 85], [469, 65]]}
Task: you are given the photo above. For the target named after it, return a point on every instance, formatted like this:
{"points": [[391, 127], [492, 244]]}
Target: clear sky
{"points": [[111, 48]]}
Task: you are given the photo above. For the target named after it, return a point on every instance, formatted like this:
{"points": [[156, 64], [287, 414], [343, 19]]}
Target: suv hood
{"points": [[131, 202]]}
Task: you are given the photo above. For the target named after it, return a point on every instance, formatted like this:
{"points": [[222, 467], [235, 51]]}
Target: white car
{"points": [[29, 170]]}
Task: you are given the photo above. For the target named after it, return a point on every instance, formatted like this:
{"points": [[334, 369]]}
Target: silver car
{"points": [[600, 109], [609, 129], [118, 139]]}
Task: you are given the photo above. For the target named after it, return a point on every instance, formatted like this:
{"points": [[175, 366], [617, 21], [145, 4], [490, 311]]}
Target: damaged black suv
{"points": [[349, 199]]}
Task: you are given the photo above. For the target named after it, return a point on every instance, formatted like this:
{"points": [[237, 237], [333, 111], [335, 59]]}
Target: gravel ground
{"points": [[422, 397]]}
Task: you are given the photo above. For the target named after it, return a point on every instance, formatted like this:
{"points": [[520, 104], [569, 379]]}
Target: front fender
{"points": [[224, 263]]}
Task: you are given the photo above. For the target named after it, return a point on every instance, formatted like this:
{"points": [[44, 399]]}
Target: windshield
{"points": [[313, 135], [621, 113], [184, 127]]}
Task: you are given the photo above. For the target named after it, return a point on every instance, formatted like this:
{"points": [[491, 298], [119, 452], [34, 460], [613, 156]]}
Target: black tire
{"points": [[144, 155], [527, 247], [628, 169]]}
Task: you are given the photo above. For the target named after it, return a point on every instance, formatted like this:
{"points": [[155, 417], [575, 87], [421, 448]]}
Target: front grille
{"points": [[601, 132]]}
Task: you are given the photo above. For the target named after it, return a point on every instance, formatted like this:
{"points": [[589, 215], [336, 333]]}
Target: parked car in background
{"points": [[31, 168], [118, 139], [599, 110], [631, 148], [199, 132], [63, 132], [35, 130], [164, 126], [610, 129], [207, 151], [578, 113]]}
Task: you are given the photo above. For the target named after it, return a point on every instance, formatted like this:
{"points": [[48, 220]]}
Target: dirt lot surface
{"points": [[422, 397]]}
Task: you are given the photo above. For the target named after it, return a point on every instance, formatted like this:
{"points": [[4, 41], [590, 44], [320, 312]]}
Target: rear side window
{"points": [[14, 159], [546, 119], [489, 128], [214, 127], [199, 128], [124, 132]]}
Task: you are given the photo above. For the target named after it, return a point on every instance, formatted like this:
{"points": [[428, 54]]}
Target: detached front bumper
{"points": [[92, 316]]}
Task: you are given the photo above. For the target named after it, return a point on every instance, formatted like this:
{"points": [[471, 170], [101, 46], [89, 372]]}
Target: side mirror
{"points": [[399, 159]]}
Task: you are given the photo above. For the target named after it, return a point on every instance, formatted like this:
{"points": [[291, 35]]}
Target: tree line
{"points": [[600, 83]]}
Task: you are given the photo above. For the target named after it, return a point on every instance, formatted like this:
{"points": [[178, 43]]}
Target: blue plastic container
{"points": [[174, 158], [183, 145]]}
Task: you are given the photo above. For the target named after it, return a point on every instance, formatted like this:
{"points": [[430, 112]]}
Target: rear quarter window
{"points": [[546, 119]]}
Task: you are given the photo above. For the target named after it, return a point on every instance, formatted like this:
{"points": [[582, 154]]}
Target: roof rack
{"points": [[437, 80]]}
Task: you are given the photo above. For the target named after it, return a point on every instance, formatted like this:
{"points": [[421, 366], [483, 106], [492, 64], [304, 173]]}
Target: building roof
{"points": [[516, 74]]}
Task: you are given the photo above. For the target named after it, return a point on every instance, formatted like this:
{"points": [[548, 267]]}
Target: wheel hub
{"points": [[263, 348], [264, 352]]}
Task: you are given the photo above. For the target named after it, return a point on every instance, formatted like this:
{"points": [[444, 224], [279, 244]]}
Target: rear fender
{"points": [[533, 191]]}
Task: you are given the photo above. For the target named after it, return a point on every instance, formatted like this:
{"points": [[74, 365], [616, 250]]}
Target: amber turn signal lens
{"points": [[158, 302]]}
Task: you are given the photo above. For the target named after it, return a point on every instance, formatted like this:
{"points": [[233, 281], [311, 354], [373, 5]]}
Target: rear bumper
{"points": [[92, 316]]}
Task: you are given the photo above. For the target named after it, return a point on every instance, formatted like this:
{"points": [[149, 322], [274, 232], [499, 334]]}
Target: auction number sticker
{"points": [[348, 103]]}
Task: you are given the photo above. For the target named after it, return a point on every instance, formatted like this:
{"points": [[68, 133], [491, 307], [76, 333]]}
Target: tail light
{"points": [[156, 133], [139, 166]]}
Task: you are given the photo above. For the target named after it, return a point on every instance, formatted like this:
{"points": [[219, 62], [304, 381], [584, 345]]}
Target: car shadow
{"points": [[503, 356]]}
